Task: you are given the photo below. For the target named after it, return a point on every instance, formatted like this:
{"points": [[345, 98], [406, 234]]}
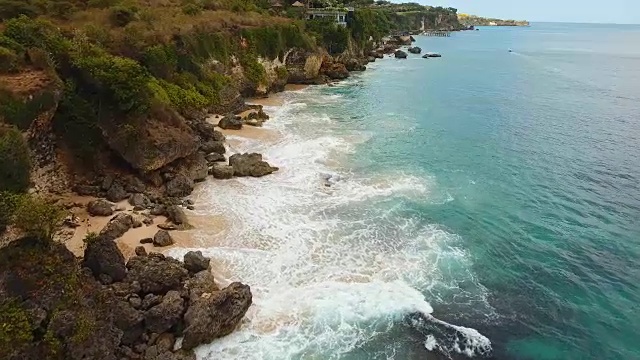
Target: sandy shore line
{"points": [[73, 238]]}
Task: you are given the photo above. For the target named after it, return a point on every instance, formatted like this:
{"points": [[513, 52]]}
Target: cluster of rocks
{"points": [[242, 165], [160, 299]]}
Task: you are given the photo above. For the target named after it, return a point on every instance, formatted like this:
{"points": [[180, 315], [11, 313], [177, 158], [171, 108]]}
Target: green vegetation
{"points": [[333, 37], [38, 217], [15, 166]]}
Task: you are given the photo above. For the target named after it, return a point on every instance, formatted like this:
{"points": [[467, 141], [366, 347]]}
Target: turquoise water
{"points": [[540, 151], [423, 203]]}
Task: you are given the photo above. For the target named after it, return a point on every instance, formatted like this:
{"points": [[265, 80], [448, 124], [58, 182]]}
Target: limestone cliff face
{"points": [[34, 97], [303, 66]]}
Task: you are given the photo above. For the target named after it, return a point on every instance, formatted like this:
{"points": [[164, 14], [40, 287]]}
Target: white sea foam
{"points": [[329, 270]]}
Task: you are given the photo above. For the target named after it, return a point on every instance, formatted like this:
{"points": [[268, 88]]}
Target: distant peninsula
{"points": [[472, 20]]}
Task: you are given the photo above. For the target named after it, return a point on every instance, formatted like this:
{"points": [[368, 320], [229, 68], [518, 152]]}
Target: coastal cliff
{"points": [[472, 20]]}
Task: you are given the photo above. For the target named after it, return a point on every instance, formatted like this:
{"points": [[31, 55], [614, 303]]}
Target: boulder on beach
{"points": [[250, 165], [230, 122], [211, 146], [156, 274], [103, 257], [195, 262], [117, 226], [162, 238], [221, 171], [214, 157], [100, 208], [215, 314], [415, 50], [116, 193], [179, 186], [165, 315], [399, 54]]}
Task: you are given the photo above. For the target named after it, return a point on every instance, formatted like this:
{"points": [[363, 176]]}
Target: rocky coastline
{"points": [[119, 298]]}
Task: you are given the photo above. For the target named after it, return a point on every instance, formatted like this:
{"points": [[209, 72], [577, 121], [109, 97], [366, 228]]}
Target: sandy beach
{"points": [[73, 238]]}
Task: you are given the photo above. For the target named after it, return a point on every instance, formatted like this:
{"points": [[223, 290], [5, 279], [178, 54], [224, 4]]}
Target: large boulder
{"points": [[156, 274], [211, 146], [195, 262], [151, 142], [399, 54], [117, 226], [116, 193], [230, 122], [179, 186], [207, 132], [353, 64], [103, 257], [139, 200], [415, 50], [250, 165], [201, 283], [335, 70], [194, 167], [176, 215], [216, 314], [100, 208], [165, 315], [221, 171], [162, 238]]}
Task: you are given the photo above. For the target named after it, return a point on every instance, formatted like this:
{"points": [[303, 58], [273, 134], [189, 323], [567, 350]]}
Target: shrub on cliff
{"points": [[37, 33], [38, 217], [15, 164], [122, 15], [14, 8], [122, 80], [8, 203], [9, 61]]}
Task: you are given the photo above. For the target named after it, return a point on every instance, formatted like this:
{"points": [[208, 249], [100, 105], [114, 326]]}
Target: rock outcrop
{"points": [[100, 208], [221, 171], [303, 66], [179, 186], [399, 54], [103, 257], [415, 50], [162, 238], [117, 226], [230, 122], [216, 314], [250, 165]]}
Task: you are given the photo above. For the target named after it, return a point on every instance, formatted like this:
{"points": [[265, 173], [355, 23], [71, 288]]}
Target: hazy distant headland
{"points": [[472, 20]]}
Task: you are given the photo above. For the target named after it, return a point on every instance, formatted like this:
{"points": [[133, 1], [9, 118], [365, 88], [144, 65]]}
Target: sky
{"points": [[589, 11]]}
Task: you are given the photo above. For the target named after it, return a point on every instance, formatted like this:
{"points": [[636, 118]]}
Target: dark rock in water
{"points": [[425, 56], [102, 256], [335, 70], [215, 157], [250, 165], [415, 50], [216, 315], [195, 262], [165, 315], [162, 238], [156, 274], [179, 186], [176, 215], [221, 171], [140, 250], [412, 39], [116, 193], [354, 65], [431, 54], [117, 226], [201, 283], [139, 200], [230, 122], [100, 208], [213, 147], [399, 54], [146, 241]]}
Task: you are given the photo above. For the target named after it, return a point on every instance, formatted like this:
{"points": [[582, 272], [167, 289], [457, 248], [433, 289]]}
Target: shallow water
{"points": [[483, 204]]}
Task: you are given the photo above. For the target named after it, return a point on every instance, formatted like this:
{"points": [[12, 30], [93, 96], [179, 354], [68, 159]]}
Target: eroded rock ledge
{"points": [[56, 307]]}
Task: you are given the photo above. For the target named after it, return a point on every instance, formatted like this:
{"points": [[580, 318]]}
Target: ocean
{"points": [[484, 204]]}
